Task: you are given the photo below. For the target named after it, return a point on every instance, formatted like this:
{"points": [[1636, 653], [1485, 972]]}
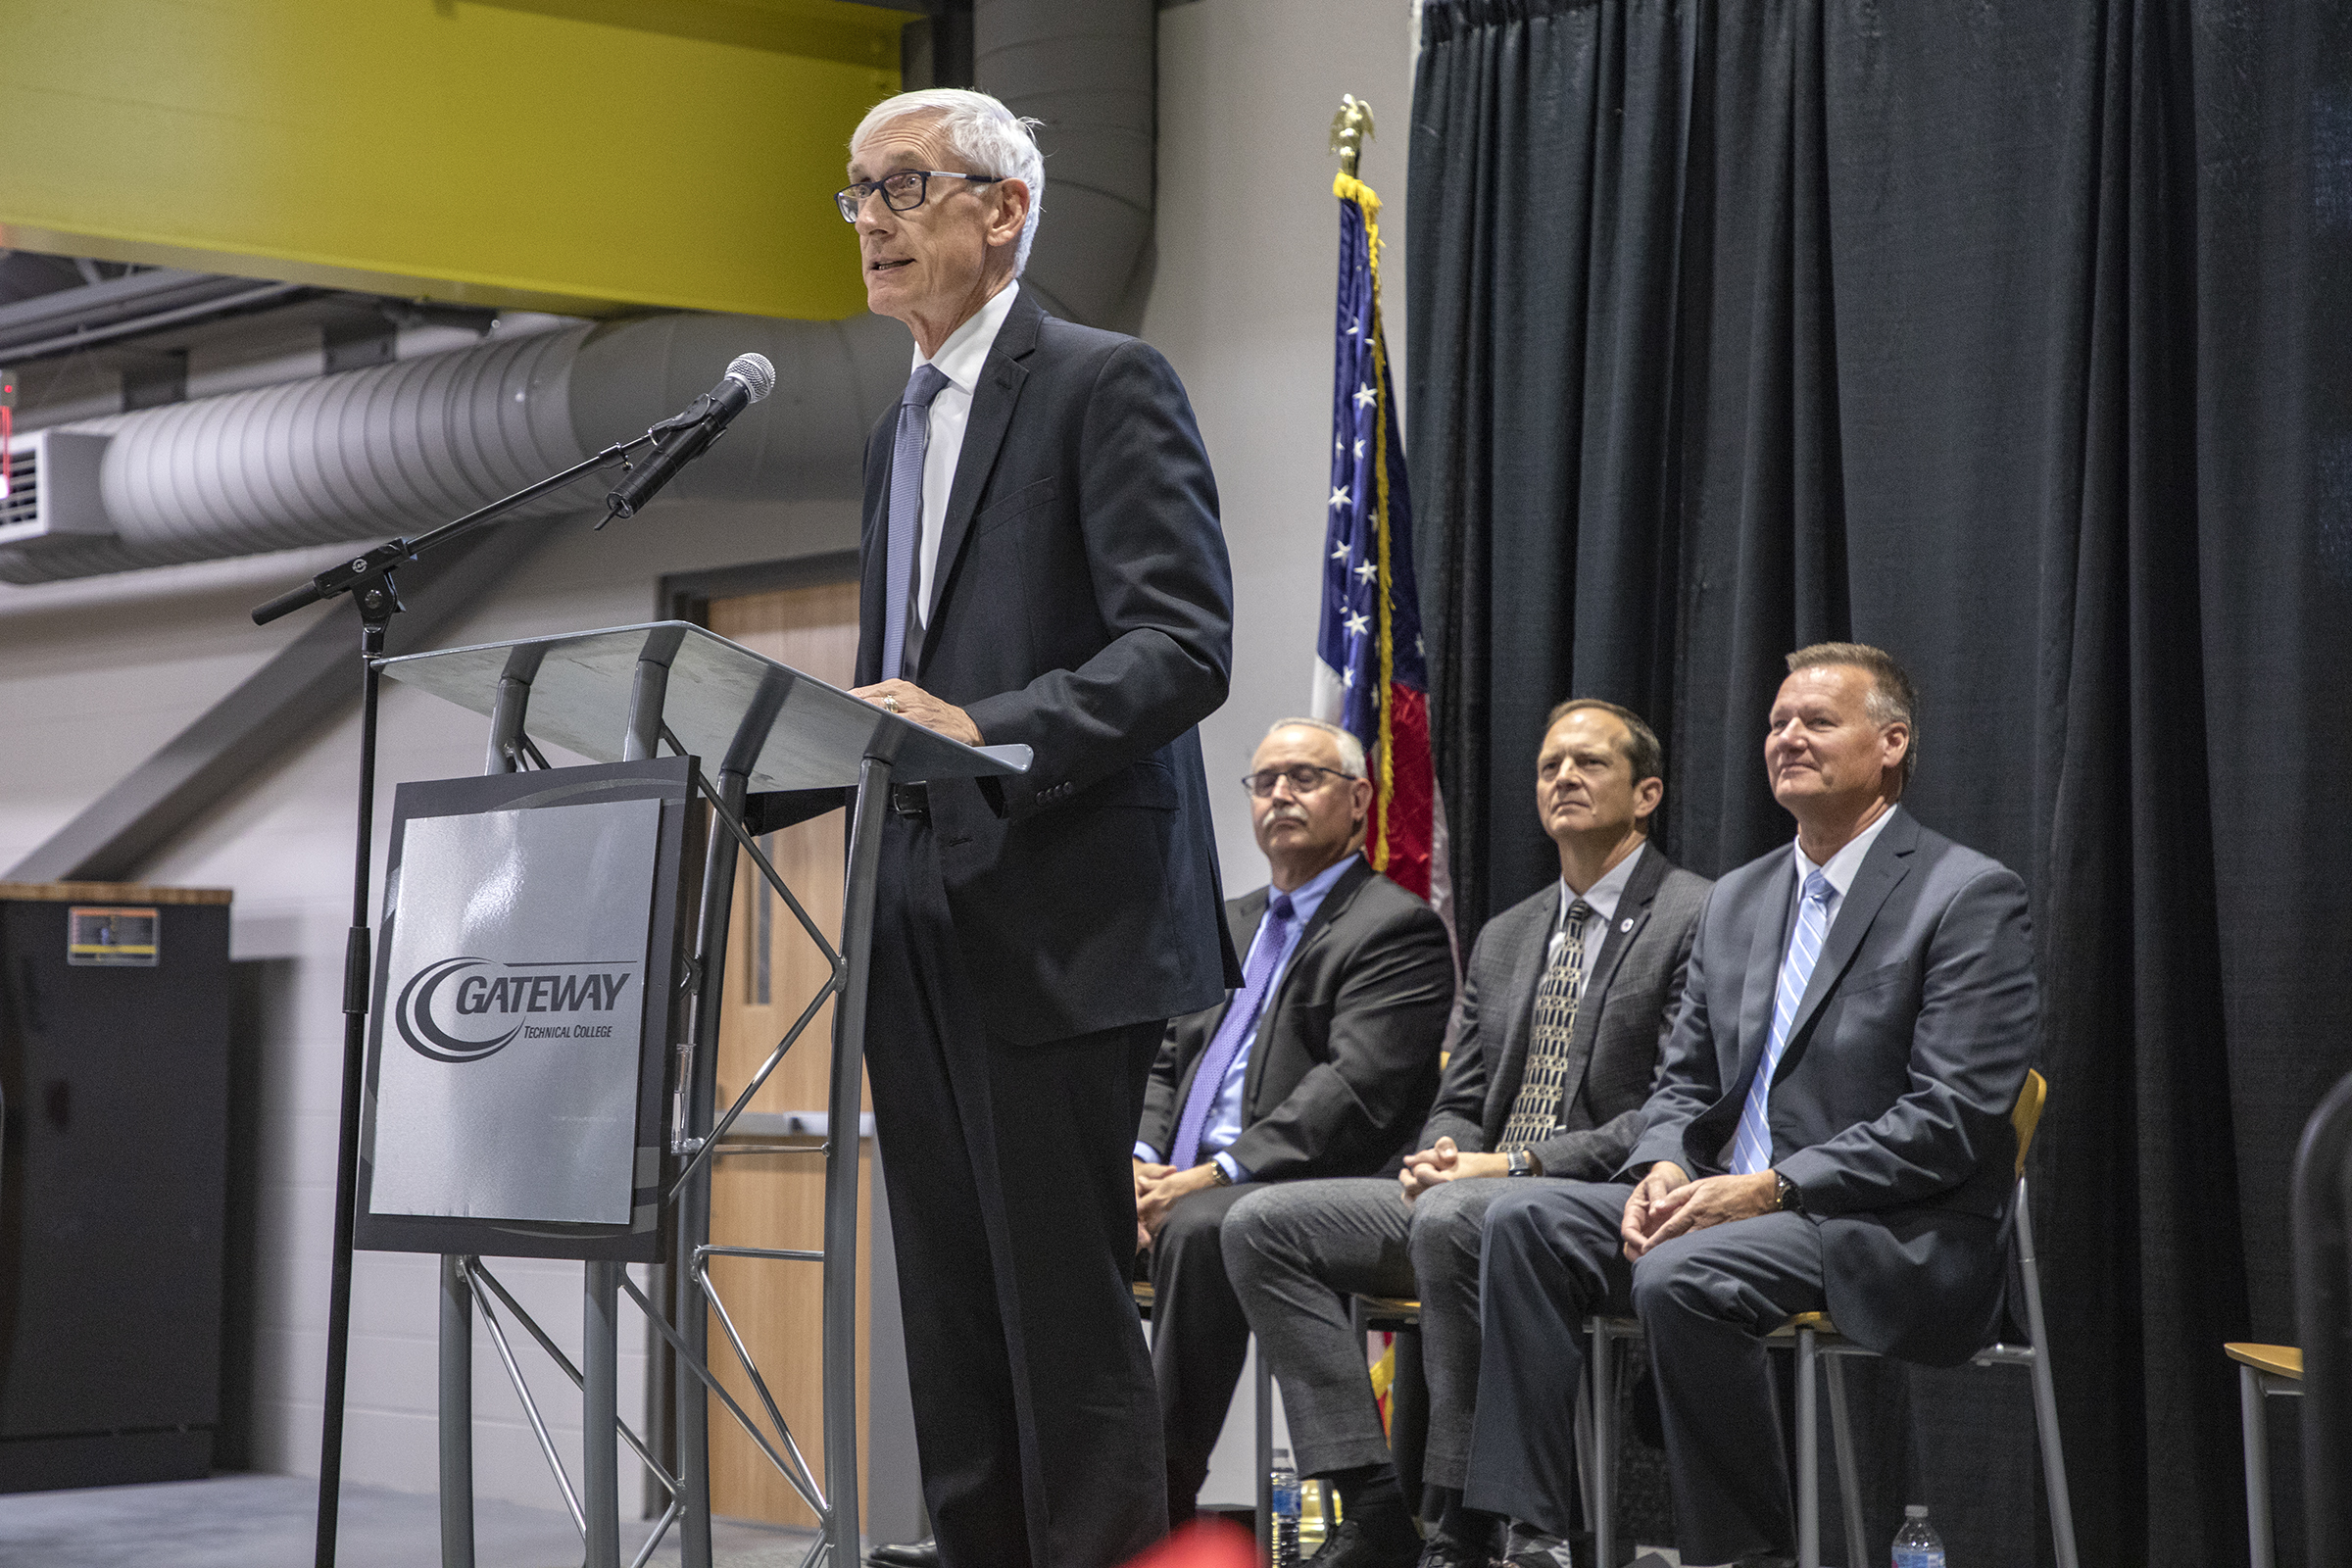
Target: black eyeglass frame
{"points": [[1250, 780], [851, 198]]}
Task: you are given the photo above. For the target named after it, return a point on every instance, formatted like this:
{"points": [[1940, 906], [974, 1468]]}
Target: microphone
{"points": [[687, 435]]}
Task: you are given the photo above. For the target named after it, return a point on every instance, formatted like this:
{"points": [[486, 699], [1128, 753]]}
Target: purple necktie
{"points": [[906, 511], [1265, 958]]}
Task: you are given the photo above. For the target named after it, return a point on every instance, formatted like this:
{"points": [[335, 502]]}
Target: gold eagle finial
{"points": [[1350, 129]]}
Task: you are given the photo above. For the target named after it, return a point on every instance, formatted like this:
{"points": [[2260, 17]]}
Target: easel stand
{"points": [[623, 695]]}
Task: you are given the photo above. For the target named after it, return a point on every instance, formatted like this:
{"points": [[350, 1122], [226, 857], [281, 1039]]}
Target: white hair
{"points": [[985, 134], [1351, 750]]}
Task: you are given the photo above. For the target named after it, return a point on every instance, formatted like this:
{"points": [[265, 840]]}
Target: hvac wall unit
{"points": [[52, 487], [115, 1061]]}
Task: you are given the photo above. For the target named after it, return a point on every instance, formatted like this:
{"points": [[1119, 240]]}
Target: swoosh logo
{"points": [[413, 1017]]}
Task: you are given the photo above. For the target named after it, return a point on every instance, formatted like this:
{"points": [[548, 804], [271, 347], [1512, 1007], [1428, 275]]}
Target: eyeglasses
{"points": [[1305, 778], [901, 192]]}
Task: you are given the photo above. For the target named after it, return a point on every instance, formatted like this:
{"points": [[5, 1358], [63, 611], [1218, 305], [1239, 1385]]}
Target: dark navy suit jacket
{"points": [[1890, 1106], [1082, 605]]}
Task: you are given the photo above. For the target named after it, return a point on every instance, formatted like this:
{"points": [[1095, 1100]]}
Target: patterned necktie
{"points": [[1543, 1083], [1751, 1145], [1266, 956], [905, 513]]}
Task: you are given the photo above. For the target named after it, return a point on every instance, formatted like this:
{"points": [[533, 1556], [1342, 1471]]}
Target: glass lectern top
{"points": [[725, 703]]}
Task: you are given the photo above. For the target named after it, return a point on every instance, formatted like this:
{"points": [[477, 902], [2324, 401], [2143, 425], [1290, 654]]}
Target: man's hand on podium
{"points": [[917, 706]]}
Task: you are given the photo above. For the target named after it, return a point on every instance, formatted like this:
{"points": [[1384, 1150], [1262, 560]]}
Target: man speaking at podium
{"points": [[1040, 563]]}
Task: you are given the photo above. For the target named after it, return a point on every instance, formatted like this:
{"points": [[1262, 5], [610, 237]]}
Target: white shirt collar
{"points": [[1847, 860], [1602, 896], [965, 351]]}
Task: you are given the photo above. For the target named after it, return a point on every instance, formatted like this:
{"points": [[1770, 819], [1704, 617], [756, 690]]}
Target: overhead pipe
{"points": [[393, 449]]}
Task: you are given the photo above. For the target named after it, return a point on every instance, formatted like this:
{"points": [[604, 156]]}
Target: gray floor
{"points": [[249, 1521]]}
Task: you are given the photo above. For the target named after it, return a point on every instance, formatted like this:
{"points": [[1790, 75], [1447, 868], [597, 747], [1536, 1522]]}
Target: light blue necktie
{"points": [[1751, 1145], [1217, 1060], [905, 513]]}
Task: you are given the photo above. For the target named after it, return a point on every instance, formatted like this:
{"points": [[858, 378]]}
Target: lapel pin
{"points": [[1626, 924]]}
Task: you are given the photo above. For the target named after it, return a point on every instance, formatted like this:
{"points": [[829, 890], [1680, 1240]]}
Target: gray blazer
{"points": [[1628, 1009], [1890, 1109]]}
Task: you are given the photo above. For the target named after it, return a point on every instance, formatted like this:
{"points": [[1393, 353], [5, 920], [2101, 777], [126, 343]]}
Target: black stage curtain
{"points": [[2007, 336]]}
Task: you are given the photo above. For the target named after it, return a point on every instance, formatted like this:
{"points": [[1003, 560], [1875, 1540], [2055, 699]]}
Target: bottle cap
{"points": [[1915, 1510]]}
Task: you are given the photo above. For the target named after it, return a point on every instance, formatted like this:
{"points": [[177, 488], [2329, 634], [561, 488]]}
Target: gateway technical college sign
{"points": [[508, 1067]]}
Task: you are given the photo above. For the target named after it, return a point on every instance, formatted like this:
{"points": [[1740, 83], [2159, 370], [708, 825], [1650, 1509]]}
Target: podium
{"points": [[573, 896]]}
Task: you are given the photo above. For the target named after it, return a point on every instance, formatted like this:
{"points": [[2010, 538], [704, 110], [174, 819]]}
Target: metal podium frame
{"points": [[775, 729]]}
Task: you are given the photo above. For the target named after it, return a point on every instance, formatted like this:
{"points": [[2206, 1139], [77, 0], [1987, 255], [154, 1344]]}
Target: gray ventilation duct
{"points": [[395, 449]]}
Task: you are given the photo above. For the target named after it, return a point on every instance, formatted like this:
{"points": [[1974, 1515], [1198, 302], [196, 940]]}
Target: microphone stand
{"points": [[368, 578]]}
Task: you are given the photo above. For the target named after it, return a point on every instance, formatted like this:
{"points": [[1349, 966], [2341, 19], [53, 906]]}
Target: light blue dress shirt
{"points": [[1225, 1115]]}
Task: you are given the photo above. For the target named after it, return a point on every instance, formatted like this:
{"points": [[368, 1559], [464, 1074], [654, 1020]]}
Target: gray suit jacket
{"points": [[1621, 1024], [1890, 1109]]}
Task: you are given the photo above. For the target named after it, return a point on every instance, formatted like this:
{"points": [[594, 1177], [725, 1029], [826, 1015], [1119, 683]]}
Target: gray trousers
{"points": [[1705, 1299], [1296, 1250]]}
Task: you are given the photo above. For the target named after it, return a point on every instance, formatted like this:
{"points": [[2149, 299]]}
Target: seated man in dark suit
{"points": [[1831, 1132], [1321, 1064], [1555, 1045]]}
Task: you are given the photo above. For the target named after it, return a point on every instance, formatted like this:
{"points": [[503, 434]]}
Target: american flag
{"points": [[1371, 673]]}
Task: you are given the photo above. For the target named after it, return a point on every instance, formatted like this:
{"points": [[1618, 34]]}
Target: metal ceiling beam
{"points": [[281, 706]]}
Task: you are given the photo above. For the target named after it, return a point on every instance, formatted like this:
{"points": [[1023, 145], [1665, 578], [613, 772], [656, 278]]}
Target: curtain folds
{"points": [[2007, 338]]}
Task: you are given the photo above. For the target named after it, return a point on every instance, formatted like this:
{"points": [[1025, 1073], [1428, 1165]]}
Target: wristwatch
{"points": [[1791, 1197], [1519, 1162], [1217, 1176]]}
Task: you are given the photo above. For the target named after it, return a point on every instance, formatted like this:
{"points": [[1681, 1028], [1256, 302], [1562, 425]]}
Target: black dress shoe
{"points": [[923, 1553], [1375, 1539]]}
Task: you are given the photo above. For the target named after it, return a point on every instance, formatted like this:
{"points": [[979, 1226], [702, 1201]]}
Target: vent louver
{"points": [[52, 487]]}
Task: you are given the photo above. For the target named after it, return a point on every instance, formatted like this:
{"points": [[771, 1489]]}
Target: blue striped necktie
{"points": [[906, 511], [1751, 1145]]}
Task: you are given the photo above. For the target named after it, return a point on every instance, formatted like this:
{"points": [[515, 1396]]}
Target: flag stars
{"points": [[1338, 496], [1364, 397], [1357, 625], [1339, 550], [1366, 571]]}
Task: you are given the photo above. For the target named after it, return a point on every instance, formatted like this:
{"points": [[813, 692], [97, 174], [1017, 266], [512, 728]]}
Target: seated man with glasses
{"points": [[1321, 1064]]}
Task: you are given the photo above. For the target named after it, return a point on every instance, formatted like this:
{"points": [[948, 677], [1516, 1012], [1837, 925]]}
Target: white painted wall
{"points": [[95, 676]]}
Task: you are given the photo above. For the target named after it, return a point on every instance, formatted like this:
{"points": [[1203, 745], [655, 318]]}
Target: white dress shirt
{"points": [[1601, 899], [961, 360]]}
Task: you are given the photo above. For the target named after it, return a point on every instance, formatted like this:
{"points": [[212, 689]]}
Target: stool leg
{"points": [[1808, 1458], [1262, 1389], [2255, 1424], [1849, 1483]]}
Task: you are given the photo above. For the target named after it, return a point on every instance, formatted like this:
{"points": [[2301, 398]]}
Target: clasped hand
{"points": [[1157, 1189], [1667, 1203], [917, 706], [1443, 1161]]}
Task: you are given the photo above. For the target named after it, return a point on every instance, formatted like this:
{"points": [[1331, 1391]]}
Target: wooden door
{"points": [[777, 1199]]}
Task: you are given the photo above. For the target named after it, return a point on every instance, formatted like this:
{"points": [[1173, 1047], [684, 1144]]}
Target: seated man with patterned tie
{"points": [[1321, 1064], [1831, 1132], [1555, 1045]]}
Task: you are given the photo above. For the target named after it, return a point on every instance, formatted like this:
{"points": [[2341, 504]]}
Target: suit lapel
{"points": [[994, 396], [1527, 973], [1763, 974], [1334, 904], [1883, 868], [1625, 928], [874, 552]]}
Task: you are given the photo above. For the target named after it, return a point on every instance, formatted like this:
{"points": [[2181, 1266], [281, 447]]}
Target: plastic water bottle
{"points": [[1284, 1481], [1916, 1545]]}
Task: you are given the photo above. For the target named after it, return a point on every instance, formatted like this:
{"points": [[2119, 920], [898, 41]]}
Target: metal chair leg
{"points": [[1808, 1456], [2255, 1423], [1604, 1479], [2045, 1391], [1842, 1441]]}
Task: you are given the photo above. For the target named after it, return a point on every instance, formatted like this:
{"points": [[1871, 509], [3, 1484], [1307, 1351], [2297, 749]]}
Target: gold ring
{"points": [[890, 704]]}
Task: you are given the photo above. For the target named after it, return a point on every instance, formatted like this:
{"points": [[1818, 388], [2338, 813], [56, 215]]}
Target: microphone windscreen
{"points": [[754, 372]]}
